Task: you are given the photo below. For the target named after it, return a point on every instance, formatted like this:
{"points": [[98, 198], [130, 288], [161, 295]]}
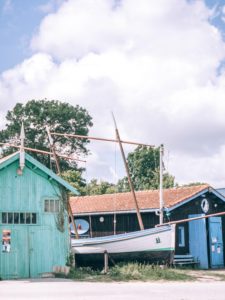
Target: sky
{"points": [[158, 65]]}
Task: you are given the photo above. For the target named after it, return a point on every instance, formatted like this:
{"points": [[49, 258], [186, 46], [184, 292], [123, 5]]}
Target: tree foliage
{"points": [[194, 184], [143, 165], [59, 116], [74, 178], [98, 188]]}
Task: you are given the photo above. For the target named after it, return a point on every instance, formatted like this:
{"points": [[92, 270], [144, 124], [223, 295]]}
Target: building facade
{"points": [[33, 218], [115, 214]]}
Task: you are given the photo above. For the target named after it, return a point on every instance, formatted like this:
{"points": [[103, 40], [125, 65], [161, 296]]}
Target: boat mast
{"points": [[161, 201], [128, 176], [22, 153], [51, 142]]}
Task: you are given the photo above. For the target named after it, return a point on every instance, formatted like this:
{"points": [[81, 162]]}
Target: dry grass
{"points": [[129, 272]]}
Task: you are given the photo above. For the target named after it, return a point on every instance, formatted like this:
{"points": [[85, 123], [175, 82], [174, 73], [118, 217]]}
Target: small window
{"points": [[51, 206], [10, 218], [19, 218], [28, 219], [47, 205], [57, 206], [34, 218], [181, 236], [22, 218], [4, 218], [16, 218]]}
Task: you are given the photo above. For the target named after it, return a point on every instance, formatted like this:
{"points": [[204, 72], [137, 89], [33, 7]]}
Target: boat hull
{"points": [[154, 245], [150, 257]]}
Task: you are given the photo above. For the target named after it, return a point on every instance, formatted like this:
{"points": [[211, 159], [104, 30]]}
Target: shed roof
{"points": [[5, 161], [149, 199]]}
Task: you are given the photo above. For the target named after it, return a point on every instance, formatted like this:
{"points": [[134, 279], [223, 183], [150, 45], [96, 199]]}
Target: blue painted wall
{"points": [[35, 248]]}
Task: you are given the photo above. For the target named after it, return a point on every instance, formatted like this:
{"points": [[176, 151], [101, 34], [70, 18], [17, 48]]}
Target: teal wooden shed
{"points": [[33, 218]]}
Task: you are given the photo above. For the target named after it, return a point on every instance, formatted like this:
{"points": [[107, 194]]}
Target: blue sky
{"points": [[154, 64], [19, 20]]}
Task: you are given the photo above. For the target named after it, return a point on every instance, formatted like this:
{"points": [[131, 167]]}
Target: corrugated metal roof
{"points": [[124, 202]]}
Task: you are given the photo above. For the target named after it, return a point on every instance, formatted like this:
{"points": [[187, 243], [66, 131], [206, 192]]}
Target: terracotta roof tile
{"points": [[124, 202]]}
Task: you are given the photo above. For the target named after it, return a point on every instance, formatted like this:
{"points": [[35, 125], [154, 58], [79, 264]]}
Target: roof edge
{"points": [[15, 156]]}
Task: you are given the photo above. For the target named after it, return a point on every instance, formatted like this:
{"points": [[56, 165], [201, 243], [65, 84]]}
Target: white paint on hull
{"points": [[155, 239]]}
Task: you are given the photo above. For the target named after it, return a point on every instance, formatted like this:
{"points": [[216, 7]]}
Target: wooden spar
{"points": [[40, 151], [22, 153], [51, 142], [192, 219], [128, 176], [100, 139]]}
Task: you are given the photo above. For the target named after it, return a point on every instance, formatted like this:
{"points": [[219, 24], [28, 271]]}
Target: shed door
{"points": [[41, 251], [15, 262], [216, 242], [198, 241]]}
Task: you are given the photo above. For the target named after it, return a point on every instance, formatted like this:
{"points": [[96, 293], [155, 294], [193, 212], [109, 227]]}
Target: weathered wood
{"points": [[40, 151], [52, 147], [38, 240], [128, 177], [184, 260], [100, 139], [69, 209], [192, 219], [106, 262]]}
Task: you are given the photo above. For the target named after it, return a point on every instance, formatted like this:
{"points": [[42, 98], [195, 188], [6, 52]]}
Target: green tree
{"points": [[194, 184], [98, 188], [74, 178], [143, 165], [59, 116]]}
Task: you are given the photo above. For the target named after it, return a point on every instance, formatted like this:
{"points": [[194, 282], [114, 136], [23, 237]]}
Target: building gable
{"points": [[5, 162]]}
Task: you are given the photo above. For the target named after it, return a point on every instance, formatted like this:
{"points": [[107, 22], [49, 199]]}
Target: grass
{"points": [[129, 272]]}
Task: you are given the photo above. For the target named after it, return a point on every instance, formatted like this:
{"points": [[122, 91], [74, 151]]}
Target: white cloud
{"points": [[154, 64]]}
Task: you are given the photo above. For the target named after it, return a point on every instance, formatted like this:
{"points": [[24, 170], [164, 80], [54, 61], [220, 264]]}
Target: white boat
{"points": [[155, 245]]}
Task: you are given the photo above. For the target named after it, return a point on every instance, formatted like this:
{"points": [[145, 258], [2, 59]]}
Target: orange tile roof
{"points": [[124, 202]]}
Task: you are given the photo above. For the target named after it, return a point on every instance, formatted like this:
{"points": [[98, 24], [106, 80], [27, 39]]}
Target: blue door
{"points": [[216, 242], [198, 241]]}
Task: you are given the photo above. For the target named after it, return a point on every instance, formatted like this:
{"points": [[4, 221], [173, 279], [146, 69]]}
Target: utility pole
{"points": [[161, 201]]}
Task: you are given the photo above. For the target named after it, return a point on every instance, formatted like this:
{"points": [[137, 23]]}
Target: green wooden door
{"points": [[31, 252], [40, 251], [15, 263]]}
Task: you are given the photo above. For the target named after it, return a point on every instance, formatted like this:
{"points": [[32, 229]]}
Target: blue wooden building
{"points": [[33, 218]]}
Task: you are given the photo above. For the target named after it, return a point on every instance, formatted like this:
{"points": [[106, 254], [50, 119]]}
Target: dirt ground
{"points": [[207, 275]]}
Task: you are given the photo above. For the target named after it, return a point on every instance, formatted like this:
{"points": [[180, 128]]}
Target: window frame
{"points": [[5, 220], [51, 206], [181, 236]]}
